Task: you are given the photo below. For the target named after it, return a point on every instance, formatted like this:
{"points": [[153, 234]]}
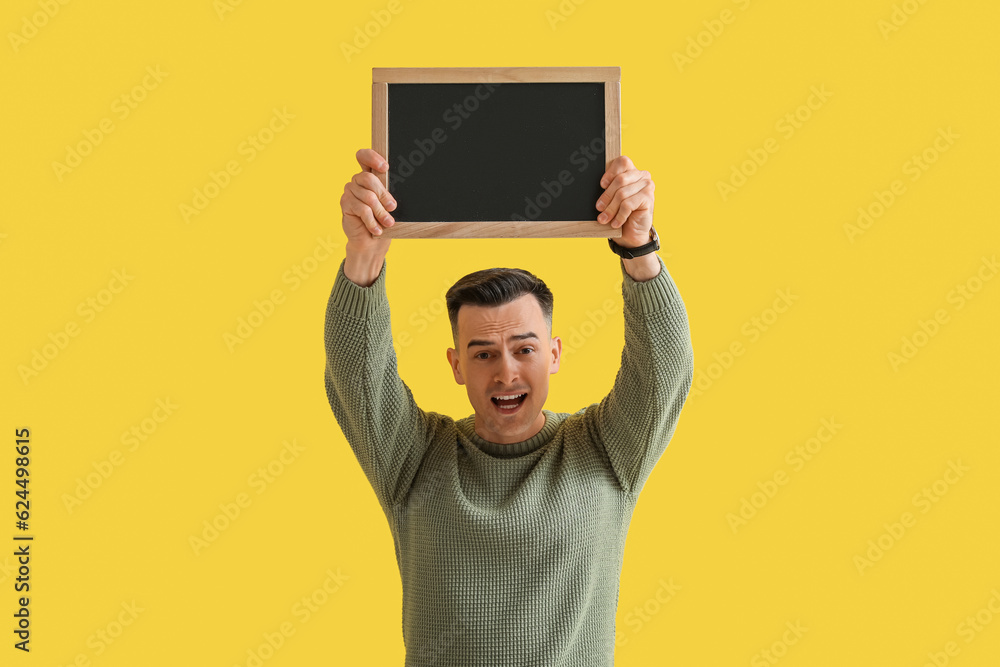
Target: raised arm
{"points": [[635, 421], [384, 427]]}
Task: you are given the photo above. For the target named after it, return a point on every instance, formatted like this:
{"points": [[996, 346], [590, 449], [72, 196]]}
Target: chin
{"points": [[516, 426]]}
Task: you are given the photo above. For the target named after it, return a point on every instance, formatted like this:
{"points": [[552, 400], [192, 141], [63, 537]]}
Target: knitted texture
{"points": [[509, 554]]}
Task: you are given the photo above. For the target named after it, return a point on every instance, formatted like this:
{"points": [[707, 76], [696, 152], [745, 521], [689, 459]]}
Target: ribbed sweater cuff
{"points": [[357, 301], [657, 293]]}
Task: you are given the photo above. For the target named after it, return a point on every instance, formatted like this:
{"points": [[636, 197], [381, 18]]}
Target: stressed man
{"points": [[509, 524]]}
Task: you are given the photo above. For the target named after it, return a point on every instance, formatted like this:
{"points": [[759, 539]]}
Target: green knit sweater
{"points": [[509, 554]]}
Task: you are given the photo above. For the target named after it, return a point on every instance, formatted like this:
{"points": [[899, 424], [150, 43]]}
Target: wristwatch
{"points": [[632, 253]]}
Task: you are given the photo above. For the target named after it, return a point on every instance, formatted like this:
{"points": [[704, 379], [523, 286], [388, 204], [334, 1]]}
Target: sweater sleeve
{"points": [[635, 421], [383, 425]]}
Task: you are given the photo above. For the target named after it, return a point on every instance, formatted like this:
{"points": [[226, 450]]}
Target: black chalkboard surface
{"points": [[494, 152]]}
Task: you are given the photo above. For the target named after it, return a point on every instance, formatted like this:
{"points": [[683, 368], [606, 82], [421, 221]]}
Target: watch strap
{"points": [[632, 253]]}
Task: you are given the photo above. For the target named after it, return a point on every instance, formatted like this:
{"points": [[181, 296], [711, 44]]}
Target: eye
{"points": [[480, 355], [530, 349]]}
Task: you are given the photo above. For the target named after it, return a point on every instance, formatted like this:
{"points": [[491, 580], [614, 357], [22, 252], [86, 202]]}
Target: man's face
{"points": [[505, 351]]}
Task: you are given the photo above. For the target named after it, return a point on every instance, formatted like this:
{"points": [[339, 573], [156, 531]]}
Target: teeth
{"points": [[509, 398]]}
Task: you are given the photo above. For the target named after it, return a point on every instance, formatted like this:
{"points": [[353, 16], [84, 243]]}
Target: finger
{"points": [[633, 197], [611, 197], [354, 210], [617, 182], [618, 165], [371, 182], [371, 160], [363, 215], [636, 204], [364, 204], [374, 183], [367, 198]]}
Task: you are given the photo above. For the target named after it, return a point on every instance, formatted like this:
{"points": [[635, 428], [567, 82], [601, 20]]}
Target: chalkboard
{"points": [[496, 152]]}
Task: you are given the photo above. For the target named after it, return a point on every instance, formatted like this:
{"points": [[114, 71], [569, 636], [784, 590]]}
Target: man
{"points": [[509, 525]]}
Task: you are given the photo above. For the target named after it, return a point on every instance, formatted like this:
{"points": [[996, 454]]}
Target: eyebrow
{"points": [[521, 336]]}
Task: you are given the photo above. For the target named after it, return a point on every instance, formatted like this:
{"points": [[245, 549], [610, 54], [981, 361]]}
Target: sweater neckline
{"points": [[467, 426]]}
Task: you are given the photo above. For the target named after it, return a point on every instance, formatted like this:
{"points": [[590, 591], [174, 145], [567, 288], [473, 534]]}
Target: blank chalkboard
{"points": [[496, 152]]}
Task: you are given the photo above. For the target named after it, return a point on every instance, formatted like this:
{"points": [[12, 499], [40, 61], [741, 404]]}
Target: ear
{"points": [[453, 362], [556, 354]]}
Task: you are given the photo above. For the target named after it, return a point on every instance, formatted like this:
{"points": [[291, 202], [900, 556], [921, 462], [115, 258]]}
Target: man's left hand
{"points": [[627, 202]]}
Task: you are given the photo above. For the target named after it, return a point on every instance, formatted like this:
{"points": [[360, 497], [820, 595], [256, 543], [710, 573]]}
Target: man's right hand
{"points": [[365, 205]]}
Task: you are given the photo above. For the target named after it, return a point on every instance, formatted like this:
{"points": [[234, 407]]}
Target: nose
{"points": [[506, 370]]}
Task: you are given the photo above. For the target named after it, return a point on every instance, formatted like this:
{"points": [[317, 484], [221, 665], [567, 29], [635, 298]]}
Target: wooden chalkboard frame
{"points": [[382, 77]]}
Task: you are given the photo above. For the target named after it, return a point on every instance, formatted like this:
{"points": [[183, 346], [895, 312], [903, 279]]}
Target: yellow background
{"points": [[162, 336]]}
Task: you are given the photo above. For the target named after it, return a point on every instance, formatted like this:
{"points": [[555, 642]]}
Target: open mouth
{"points": [[509, 402]]}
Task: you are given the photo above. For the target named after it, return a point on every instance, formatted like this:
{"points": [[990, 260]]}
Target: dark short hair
{"points": [[495, 287]]}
